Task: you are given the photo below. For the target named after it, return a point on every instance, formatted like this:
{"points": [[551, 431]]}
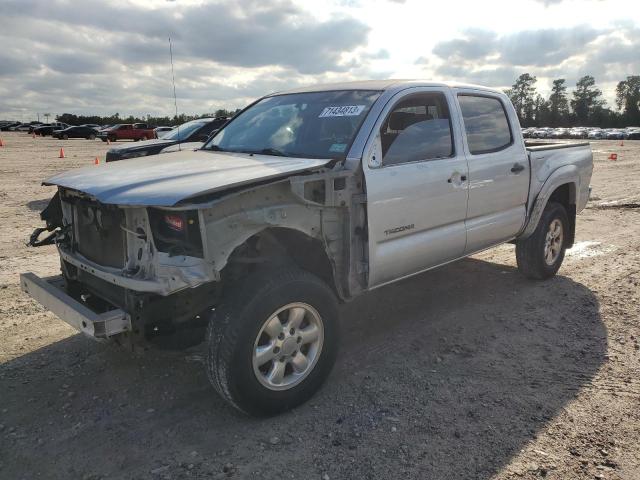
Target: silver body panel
{"points": [[416, 199], [49, 292], [146, 182]]}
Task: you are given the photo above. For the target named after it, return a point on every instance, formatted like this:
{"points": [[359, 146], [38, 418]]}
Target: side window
{"points": [[486, 124], [418, 128]]}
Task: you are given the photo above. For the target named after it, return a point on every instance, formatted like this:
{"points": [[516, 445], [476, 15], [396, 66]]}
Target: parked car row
{"points": [[591, 133]]}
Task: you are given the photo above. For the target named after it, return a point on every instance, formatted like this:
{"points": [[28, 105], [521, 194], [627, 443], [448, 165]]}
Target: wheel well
{"points": [[566, 196], [274, 247]]}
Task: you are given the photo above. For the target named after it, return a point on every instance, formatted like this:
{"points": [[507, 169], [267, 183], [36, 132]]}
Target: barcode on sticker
{"points": [[342, 111]]}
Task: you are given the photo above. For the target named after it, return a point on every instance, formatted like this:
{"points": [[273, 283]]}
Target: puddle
{"points": [[589, 249]]}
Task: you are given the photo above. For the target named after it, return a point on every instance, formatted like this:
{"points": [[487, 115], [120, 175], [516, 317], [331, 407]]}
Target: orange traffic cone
{"points": [[1, 144], [61, 153], [613, 156], [96, 161]]}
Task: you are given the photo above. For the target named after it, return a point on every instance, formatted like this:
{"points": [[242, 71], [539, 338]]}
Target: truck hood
{"points": [[150, 181]]}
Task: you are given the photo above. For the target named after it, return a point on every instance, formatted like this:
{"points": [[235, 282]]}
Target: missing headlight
{"points": [[176, 233]]}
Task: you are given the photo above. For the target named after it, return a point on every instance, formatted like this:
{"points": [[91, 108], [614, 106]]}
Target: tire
{"points": [[238, 327], [91, 137], [143, 138], [113, 139], [534, 260], [65, 137]]}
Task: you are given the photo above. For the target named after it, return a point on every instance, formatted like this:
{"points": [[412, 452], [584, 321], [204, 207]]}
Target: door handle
{"points": [[517, 168], [463, 178]]}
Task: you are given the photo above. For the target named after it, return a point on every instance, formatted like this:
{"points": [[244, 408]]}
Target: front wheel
{"points": [[272, 344], [540, 256], [91, 137], [65, 137]]}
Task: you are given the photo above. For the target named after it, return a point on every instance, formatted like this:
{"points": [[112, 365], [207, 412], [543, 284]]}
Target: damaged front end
{"points": [[140, 270], [52, 216]]}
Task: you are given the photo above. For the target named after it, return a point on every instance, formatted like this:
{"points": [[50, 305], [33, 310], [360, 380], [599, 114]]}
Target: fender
{"points": [[561, 176]]}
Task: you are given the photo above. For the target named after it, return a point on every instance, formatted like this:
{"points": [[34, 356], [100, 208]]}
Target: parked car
{"points": [[633, 135], [195, 130], [578, 132], [6, 126], [559, 133], [614, 134], [76, 132], [303, 198], [127, 131], [160, 131], [596, 134], [49, 128]]}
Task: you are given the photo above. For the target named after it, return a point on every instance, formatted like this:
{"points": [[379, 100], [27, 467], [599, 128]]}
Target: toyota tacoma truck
{"points": [[127, 131], [305, 199]]}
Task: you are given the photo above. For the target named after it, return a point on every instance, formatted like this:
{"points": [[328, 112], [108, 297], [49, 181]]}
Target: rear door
{"points": [[416, 182], [498, 169]]}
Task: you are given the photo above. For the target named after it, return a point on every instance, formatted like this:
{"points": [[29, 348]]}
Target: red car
{"points": [[127, 131]]}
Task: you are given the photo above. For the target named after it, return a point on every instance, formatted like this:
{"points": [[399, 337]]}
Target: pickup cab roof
{"points": [[382, 85]]}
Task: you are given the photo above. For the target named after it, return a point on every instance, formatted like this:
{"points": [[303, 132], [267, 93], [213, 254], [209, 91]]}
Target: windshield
{"points": [[183, 131], [312, 125]]}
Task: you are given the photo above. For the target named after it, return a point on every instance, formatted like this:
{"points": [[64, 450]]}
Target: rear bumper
{"points": [[50, 293]]}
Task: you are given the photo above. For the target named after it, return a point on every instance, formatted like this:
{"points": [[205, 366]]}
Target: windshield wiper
{"points": [[216, 148], [271, 151]]}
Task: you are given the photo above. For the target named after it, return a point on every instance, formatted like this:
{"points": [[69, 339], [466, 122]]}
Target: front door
{"points": [[416, 176]]}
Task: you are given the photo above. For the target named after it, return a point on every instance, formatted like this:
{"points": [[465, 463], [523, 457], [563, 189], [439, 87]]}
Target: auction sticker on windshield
{"points": [[342, 111]]}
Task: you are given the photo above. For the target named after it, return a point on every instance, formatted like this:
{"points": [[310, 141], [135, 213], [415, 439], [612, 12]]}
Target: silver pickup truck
{"points": [[307, 198]]}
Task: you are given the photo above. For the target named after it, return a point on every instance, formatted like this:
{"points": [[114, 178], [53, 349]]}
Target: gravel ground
{"points": [[465, 372]]}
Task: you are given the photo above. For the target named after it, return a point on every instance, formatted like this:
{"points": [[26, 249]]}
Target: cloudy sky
{"points": [[107, 56]]}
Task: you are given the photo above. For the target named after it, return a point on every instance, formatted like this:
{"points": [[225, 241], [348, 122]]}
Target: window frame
{"points": [[451, 129], [464, 125]]}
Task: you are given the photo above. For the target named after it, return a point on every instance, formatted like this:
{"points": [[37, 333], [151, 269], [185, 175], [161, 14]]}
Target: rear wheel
{"points": [[91, 137], [65, 136], [540, 256], [272, 344], [143, 138]]}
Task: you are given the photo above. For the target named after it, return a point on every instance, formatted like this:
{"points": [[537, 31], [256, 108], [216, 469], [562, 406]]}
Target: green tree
{"points": [[587, 98], [628, 99], [542, 112], [558, 104], [522, 95]]}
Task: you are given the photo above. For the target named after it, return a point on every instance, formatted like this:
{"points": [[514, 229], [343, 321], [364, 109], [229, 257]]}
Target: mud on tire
{"points": [[237, 325], [531, 252]]}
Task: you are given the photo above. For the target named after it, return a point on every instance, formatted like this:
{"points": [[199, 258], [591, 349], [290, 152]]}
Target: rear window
{"points": [[485, 122]]}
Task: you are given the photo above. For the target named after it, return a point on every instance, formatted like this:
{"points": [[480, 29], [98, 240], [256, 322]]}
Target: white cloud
{"points": [[112, 56]]}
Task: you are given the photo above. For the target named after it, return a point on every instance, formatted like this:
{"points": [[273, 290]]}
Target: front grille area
{"points": [[99, 237]]}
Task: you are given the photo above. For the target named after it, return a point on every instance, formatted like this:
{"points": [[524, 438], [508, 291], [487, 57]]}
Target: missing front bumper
{"points": [[51, 294]]}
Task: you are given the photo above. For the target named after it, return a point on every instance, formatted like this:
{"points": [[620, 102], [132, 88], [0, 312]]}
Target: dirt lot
{"points": [[468, 371]]}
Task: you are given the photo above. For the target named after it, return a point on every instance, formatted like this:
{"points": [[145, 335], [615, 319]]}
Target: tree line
{"points": [[73, 119], [585, 107]]}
